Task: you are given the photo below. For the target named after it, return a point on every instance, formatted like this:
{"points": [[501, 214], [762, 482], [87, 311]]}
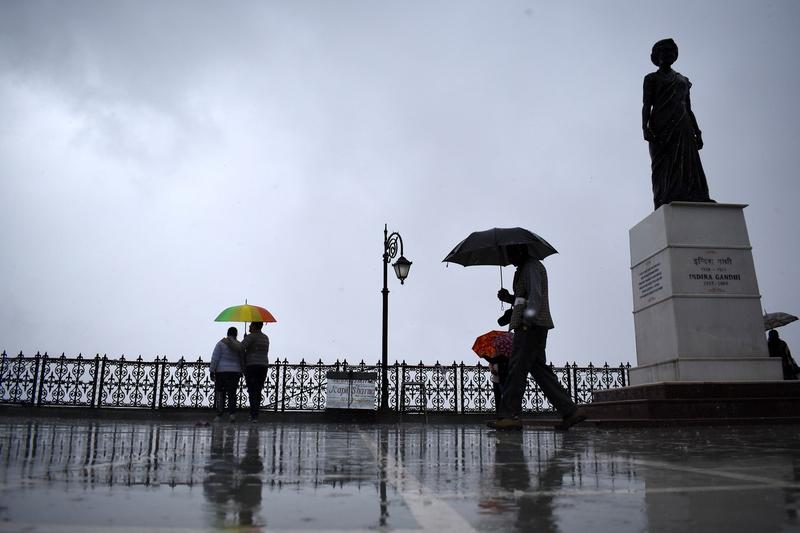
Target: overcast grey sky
{"points": [[160, 161]]}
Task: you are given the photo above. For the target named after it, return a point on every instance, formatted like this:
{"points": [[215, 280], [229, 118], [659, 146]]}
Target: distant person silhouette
{"points": [[256, 359], [226, 370], [778, 348]]}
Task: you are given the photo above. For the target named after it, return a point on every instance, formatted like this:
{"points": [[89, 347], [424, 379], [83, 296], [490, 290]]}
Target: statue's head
{"points": [[665, 52]]}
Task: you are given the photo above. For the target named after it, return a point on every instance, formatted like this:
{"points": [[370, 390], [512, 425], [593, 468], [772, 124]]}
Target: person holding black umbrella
{"points": [[531, 320], [778, 348]]}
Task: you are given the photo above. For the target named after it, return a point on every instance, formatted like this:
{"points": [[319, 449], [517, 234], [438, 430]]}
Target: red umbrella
{"points": [[493, 344]]}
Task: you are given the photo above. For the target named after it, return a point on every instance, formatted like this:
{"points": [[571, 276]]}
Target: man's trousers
{"points": [[528, 356], [255, 376]]}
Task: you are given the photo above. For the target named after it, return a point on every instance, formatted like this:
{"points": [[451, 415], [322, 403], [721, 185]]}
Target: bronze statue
{"points": [[671, 129]]}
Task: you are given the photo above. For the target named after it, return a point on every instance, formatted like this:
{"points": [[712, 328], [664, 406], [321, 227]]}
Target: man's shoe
{"points": [[505, 424], [568, 421]]}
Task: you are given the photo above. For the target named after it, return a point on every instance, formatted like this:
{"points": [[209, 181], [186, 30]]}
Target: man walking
{"points": [[256, 352], [530, 320], [226, 369]]}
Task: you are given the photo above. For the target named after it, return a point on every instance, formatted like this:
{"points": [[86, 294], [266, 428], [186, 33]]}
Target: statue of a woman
{"points": [[671, 129]]}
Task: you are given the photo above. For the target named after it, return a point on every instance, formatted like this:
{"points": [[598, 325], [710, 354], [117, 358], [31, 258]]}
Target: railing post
{"points": [[283, 386], [2, 370], [277, 366], [18, 378], [162, 382], [199, 372], [43, 371], [36, 359], [2, 366], [574, 381], [300, 400], [154, 404], [95, 380], [320, 372], [102, 381], [401, 389], [461, 385], [396, 386]]}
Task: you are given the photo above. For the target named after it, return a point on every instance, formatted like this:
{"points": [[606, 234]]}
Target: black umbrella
{"points": [[490, 247], [776, 320]]}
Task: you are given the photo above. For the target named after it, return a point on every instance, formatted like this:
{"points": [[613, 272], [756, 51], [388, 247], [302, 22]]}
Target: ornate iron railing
{"points": [[161, 384]]}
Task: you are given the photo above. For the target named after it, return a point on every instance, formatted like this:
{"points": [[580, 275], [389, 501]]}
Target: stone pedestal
{"points": [[696, 305]]}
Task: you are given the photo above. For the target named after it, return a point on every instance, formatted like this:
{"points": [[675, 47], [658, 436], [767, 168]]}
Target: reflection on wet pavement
{"points": [[67, 475]]}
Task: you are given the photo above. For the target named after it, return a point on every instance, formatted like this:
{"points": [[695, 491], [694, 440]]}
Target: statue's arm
{"points": [[647, 106], [698, 135]]}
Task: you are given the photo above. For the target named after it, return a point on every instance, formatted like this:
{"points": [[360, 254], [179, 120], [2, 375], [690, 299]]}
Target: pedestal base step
{"points": [[693, 403]]}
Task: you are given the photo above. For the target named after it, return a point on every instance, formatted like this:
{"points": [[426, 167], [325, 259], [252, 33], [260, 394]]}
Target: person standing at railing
{"points": [[226, 369], [256, 359]]}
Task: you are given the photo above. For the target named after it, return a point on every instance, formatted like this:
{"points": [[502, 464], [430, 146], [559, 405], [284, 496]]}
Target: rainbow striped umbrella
{"points": [[245, 313]]}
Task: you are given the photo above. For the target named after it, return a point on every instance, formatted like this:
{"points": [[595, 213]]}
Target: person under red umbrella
{"points": [[495, 347]]}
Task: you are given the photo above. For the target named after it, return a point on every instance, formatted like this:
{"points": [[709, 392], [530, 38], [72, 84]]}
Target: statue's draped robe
{"points": [[677, 172]]}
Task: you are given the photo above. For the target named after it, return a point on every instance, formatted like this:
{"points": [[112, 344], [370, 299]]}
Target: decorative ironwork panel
{"points": [[478, 393], [440, 383], [295, 377], [593, 378], [586, 380], [67, 381], [534, 400], [185, 384], [18, 378], [317, 386], [127, 383]]}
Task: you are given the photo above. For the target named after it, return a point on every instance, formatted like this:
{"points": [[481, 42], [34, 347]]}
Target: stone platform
{"points": [[672, 403]]}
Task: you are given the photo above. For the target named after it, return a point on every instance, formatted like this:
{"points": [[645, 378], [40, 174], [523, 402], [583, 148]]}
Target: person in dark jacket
{"points": [[256, 359], [531, 320], [779, 348], [226, 369]]}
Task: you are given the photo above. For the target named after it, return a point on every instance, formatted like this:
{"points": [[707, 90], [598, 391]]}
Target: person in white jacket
{"points": [[226, 369]]}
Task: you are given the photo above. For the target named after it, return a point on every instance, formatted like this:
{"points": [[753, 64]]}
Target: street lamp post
{"points": [[401, 268]]}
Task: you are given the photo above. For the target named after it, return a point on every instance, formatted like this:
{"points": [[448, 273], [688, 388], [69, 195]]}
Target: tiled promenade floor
{"points": [[106, 476]]}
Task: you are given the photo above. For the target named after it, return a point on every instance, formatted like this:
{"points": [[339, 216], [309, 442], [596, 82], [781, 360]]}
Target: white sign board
{"points": [[350, 390]]}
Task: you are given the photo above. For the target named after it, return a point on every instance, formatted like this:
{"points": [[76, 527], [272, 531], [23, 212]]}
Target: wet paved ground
{"points": [[83, 475]]}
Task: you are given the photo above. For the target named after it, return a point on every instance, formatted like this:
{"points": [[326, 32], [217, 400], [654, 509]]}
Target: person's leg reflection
{"points": [[534, 502], [218, 483], [248, 495]]}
